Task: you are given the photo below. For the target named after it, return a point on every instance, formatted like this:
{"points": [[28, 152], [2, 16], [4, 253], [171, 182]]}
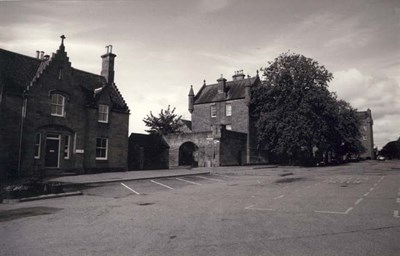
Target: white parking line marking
{"points": [[371, 189], [204, 178], [331, 212], [251, 207], [278, 197], [158, 183], [137, 193], [358, 201], [366, 194], [191, 182], [396, 214]]}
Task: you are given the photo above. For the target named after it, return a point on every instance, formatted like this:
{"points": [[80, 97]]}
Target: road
{"points": [[351, 209]]}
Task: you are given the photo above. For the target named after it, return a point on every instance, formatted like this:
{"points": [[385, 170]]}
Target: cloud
{"points": [[213, 5], [380, 94]]}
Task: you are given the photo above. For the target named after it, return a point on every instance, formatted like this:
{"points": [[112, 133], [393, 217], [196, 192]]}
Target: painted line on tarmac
{"points": [[251, 207], [366, 194], [278, 197], [358, 201], [158, 183], [349, 210], [205, 178], [191, 182], [396, 214], [137, 193], [331, 212]]}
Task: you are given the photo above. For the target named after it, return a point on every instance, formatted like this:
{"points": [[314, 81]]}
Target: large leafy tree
{"points": [[295, 113], [391, 150], [167, 122]]}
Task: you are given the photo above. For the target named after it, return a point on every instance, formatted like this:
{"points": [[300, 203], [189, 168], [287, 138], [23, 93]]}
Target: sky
{"points": [[163, 47]]}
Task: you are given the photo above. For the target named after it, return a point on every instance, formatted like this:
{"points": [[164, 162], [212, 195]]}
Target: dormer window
{"points": [[57, 105], [103, 113]]}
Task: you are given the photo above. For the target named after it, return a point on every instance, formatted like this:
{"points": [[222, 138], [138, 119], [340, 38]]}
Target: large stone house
{"points": [[367, 135], [222, 131], [56, 118]]}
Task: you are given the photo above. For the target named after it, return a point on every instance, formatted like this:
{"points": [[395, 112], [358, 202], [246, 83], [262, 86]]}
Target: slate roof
{"points": [[233, 89], [17, 71]]}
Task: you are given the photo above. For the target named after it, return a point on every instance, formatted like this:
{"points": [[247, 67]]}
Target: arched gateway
{"points": [[188, 154]]}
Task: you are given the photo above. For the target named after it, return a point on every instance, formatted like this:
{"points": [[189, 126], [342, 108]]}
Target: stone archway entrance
{"points": [[188, 154]]}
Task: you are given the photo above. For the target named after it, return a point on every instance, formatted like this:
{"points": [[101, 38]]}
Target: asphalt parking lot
{"points": [[344, 210], [149, 186]]}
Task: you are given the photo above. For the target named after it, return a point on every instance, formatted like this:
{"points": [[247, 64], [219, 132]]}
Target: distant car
{"points": [[381, 158]]}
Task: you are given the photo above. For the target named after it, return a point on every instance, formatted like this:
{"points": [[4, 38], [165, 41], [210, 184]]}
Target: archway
{"points": [[188, 154]]}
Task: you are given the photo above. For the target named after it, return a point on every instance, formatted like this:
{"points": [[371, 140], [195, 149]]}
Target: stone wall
{"points": [[208, 148], [232, 148]]}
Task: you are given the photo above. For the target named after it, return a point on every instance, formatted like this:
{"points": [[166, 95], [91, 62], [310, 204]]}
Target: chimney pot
{"points": [[41, 55], [238, 75], [37, 54]]}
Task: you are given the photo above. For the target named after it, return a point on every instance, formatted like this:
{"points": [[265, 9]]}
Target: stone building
{"points": [[56, 118], [367, 135], [222, 131]]}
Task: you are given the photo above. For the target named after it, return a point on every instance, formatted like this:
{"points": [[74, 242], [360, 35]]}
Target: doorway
{"points": [[52, 151]]}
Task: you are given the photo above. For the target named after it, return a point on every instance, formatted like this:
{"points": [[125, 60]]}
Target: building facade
{"points": [[56, 118], [367, 134], [222, 131]]}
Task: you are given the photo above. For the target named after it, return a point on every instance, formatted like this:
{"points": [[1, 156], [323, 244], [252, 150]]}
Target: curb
{"points": [[130, 179], [48, 196]]}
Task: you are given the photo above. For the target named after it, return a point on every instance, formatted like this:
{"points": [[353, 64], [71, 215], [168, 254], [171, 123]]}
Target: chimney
{"points": [[41, 55], [107, 70], [37, 54], [221, 84], [238, 75]]}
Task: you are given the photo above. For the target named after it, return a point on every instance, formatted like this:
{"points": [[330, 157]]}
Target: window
{"points": [[228, 127], [66, 146], [60, 74], [213, 110], [57, 105], [101, 148], [228, 109], [38, 139], [103, 113]]}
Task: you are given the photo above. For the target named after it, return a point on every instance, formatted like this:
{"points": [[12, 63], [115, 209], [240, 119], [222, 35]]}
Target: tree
{"points": [[167, 122], [295, 113], [391, 150]]}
